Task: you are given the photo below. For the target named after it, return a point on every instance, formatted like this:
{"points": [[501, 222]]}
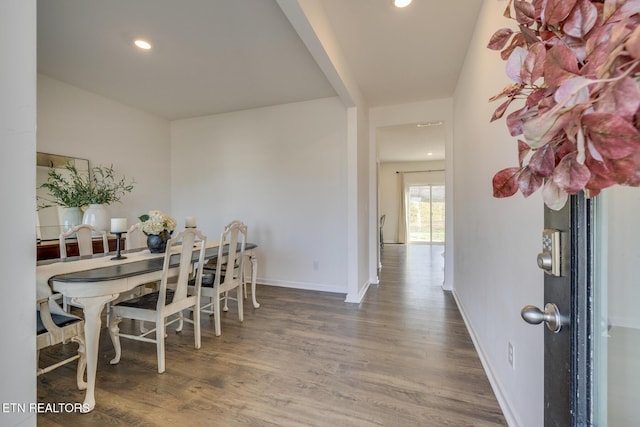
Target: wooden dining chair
{"points": [[83, 234], [381, 226], [54, 326], [227, 275], [135, 239], [166, 305]]}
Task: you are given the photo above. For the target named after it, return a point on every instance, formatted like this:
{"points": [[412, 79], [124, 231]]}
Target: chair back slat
{"points": [[135, 238], [234, 234], [182, 246], [84, 236]]}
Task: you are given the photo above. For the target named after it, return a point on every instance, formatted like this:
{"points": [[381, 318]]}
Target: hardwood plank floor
{"points": [[402, 357]]}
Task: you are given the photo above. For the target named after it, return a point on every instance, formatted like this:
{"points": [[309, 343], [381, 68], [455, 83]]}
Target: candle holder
{"points": [[118, 255]]}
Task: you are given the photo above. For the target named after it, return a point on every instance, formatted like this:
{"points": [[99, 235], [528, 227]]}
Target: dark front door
{"points": [[564, 256], [591, 257]]}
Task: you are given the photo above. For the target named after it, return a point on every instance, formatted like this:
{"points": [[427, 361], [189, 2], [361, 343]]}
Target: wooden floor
{"points": [[402, 357]]}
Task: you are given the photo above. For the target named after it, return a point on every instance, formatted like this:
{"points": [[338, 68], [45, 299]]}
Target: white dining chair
{"points": [[227, 275], [166, 305], [135, 239], [83, 234], [54, 326]]}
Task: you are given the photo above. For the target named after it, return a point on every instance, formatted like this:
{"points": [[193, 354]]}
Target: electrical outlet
{"points": [[315, 266], [511, 356]]}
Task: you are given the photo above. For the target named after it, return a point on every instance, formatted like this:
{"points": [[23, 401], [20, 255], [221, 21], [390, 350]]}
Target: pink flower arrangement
{"points": [[575, 65]]}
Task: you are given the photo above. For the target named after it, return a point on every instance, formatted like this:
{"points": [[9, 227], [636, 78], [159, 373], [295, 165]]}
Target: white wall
{"points": [[365, 220], [17, 174], [292, 156], [496, 240], [310, 21], [433, 110], [390, 194], [621, 258], [283, 171], [77, 123]]}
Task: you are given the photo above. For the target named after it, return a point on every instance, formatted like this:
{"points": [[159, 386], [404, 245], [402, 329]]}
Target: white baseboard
{"points": [[303, 285], [502, 398], [357, 299], [625, 322]]}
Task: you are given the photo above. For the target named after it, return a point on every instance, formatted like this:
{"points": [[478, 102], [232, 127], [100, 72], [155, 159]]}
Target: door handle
{"points": [[551, 316]]}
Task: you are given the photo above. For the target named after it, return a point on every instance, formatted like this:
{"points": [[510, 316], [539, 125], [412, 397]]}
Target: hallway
{"points": [[402, 357], [435, 339]]}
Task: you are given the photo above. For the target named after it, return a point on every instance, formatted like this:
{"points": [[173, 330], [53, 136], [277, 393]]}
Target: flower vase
{"points": [[97, 216], [70, 218], [157, 243]]}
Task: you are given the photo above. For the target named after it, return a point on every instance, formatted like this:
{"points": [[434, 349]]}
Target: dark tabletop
{"points": [[129, 269]]}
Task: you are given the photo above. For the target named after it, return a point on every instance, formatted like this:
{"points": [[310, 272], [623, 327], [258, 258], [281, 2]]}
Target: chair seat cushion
{"points": [[207, 280], [147, 301], [59, 320], [213, 267]]}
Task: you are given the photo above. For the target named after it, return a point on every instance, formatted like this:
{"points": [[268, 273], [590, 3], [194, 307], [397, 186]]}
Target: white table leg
{"points": [[254, 275], [92, 308]]}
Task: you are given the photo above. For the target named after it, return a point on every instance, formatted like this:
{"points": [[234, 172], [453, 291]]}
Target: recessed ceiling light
{"points": [[429, 124], [142, 44], [401, 3], [429, 154]]}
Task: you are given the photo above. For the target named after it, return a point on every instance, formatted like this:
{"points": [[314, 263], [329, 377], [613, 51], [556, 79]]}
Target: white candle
{"points": [[190, 222], [118, 225]]}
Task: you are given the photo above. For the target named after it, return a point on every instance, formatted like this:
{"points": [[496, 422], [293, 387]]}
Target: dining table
{"points": [[93, 281]]}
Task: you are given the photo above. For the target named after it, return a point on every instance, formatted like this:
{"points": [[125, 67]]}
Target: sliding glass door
{"points": [[425, 213]]}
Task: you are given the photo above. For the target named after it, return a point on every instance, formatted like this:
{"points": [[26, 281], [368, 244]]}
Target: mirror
{"points": [[49, 223]]}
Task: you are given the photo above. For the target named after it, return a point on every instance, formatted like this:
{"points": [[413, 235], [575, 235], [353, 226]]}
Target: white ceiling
{"points": [[210, 56], [404, 55], [215, 56], [412, 142]]}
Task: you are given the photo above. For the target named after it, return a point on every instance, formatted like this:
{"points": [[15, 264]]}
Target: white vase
{"points": [[70, 218], [98, 216]]}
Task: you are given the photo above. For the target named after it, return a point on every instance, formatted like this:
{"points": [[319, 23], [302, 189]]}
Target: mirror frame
{"points": [[59, 162], [45, 230]]}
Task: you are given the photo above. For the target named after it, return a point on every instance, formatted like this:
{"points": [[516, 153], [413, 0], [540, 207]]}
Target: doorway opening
{"points": [[410, 183]]}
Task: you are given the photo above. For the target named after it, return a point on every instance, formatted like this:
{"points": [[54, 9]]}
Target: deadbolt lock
{"points": [[549, 259]]}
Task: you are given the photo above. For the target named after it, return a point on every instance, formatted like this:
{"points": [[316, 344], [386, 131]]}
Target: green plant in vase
{"points": [[65, 190], [74, 189]]}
